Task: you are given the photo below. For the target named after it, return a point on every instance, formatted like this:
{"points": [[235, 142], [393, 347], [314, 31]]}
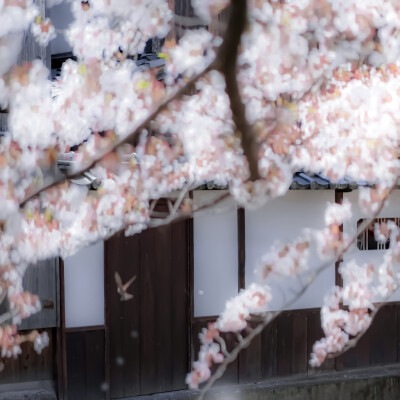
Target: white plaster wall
{"points": [[283, 219], [61, 17], [215, 254], [84, 287], [392, 210]]}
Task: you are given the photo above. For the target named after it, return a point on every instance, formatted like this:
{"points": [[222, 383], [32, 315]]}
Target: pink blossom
{"points": [[336, 214], [208, 334], [200, 373], [254, 299]]}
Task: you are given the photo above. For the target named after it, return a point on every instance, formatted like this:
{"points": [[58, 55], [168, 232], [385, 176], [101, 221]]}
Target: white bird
{"points": [[122, 288]]}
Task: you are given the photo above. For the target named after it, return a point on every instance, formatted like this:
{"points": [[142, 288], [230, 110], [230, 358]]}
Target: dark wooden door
{"points": [[148, 335]]}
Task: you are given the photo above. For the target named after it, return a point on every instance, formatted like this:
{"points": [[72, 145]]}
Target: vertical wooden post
{"points": [[61, 341], [106, 328], [241, 226], [338, 277], [190, 244]]}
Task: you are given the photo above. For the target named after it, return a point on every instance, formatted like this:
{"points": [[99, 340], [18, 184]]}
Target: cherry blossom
{"points": [[252, 300], [319, 81], [43, 30], [286, 259]]}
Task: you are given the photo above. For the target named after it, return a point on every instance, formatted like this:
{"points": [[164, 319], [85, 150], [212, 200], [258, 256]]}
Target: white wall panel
{"points": [[283, 219], [61, 17], [392, 210], [84, 287], [215, 255]]}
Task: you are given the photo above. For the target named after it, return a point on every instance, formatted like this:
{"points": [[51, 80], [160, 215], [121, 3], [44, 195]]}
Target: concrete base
{"points": [[36, 390], [377, 383], [28, 395]]}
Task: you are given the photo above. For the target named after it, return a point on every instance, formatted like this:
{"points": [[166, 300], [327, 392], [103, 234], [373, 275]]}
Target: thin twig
{"points": [[152, 205], [239, 337], [170, 206], [180, 198], [184, 215], [222, 344]]}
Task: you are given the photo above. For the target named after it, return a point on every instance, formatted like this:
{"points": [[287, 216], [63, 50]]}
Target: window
{"points": [[215, 255], [84, 287], [367, 241]]}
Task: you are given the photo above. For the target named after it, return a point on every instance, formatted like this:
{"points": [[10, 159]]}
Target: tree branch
{"points": [[227, 63]]}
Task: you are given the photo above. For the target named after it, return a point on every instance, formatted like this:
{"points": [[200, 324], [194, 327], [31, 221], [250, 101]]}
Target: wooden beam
{"points": [[85, 328], [205, 318]]}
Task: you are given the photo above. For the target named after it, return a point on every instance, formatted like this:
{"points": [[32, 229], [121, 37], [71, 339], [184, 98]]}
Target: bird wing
{"points": [[127, 284], [126, 296], [118, 280]]}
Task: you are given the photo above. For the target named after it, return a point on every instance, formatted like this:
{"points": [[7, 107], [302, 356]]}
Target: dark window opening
{"points": [[366, 240]]}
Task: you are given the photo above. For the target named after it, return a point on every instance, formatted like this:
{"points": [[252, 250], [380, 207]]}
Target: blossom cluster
{"points": [[302, 41], [320, 85], [347, 310], [286, 259], [338, 324], [237, 311], [330, 241], [209, 353], [43, 31], [356, 116], [116, 26], [10, 341], [254, 299]]}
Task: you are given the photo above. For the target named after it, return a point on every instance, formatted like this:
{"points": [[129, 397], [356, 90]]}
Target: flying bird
{"points": [[122, 289]]}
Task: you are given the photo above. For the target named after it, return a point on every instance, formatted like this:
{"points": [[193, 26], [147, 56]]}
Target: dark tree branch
{"points": [[227, 63]]}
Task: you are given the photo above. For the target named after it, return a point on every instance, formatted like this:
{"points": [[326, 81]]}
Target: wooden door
{"points": [[149, 335]]}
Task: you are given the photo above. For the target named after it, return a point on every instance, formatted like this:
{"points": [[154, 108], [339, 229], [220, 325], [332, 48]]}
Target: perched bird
{"points": [[122, 289]]}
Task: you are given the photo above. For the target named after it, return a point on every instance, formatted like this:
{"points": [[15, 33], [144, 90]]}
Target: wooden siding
{"points": [[284, 347], [30, 49], [30, 366], [122, 255], [42, 279], [148, 336], [3, 121], [85, 365]]}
